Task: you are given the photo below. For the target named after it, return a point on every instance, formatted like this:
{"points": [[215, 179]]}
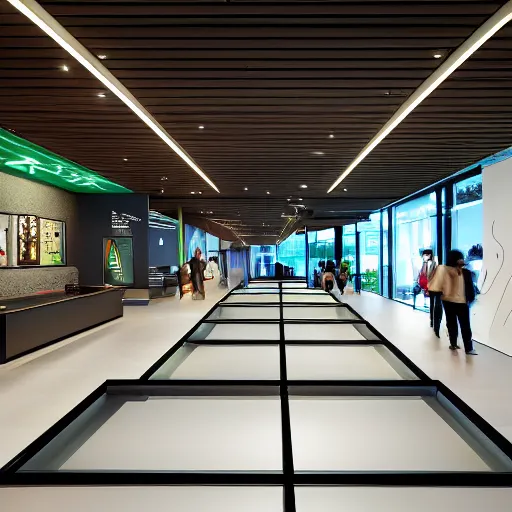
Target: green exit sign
{"points": [[20, 157]]}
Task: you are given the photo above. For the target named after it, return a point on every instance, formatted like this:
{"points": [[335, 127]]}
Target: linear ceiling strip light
{"points": [[61, 36], [456, 59]]}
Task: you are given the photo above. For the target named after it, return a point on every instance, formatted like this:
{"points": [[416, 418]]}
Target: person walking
{"points": [[458, 293], [328, 277], [197, 267]]}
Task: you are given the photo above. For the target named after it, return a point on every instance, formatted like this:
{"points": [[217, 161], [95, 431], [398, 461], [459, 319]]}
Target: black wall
{"points": [[95, 223], [163, 255]]}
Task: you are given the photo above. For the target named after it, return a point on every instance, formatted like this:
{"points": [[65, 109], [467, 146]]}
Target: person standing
{"points": [[458, 293], [427, 270], [197, 267]]}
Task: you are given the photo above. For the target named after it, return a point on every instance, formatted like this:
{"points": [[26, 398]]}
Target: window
{"points": [[348, 250], [321, 248], [415, 231], [369, 248], [292, 253], [385, 253], [467, 221]]}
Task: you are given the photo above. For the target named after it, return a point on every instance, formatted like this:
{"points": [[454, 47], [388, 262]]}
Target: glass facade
{"points": [[415, 230], [387, 250], [292, 253]]}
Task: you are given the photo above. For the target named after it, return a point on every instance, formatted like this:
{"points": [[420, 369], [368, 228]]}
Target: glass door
{"points": [[369, 249]]}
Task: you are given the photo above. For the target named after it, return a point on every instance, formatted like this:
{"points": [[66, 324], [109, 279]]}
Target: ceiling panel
{"points": [[270, 82]]}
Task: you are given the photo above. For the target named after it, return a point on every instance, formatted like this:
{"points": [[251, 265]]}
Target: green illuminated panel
{"points": [[22, 158]]}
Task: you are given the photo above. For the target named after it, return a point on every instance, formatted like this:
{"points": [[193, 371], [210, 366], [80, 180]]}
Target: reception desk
{"points": [[32, 322]]}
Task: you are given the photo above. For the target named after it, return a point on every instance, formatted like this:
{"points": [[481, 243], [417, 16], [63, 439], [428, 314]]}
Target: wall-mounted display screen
{"points": [[118, 261], [51, 242], [28, 240], [194, 238]]}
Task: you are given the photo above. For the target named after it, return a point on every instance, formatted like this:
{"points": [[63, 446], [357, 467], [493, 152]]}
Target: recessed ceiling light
{"points": [[201, 127], [318, 153], [192, 192], [345, 190], [288, 200], [268, 192], [102, 56], [201, 211], [331, 136], [300, 199], [163, 178], [303, 186], [125, 159], [437, 55], [246, 189], [102, 95], [64, 68], [162, 191], [199, 192]]}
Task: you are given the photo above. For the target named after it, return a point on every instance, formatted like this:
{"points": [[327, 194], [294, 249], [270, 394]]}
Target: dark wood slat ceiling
{"points": [[270, 81]]}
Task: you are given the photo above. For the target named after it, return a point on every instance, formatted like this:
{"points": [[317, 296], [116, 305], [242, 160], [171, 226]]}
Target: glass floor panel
{"points": [[254, 290], [321, 332], [180, 434], [242, 362], [137, 499], [317, 291], [318, 313], [264, 284], [298, 284], [402, 499], [240, 331], [376, 434], [344, 362], [323, 298], [245, 313], [241, 298]]}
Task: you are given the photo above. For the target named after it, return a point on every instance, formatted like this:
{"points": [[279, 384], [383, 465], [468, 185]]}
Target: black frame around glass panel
{"points": [[494, 442]]}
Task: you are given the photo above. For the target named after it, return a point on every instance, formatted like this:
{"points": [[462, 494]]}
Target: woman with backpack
{"points": [[456, 285]]}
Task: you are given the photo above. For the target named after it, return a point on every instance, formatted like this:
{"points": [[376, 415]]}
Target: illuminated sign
{"points": [[121, 223], [22, 158]]}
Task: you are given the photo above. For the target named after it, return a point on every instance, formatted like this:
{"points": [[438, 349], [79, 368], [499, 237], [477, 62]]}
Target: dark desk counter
{"points": [[32, 322]]}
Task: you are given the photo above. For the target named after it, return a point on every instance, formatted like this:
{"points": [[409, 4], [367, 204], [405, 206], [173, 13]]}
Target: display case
{"points": [[28, 240], [51, 242], [161, 282]]}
